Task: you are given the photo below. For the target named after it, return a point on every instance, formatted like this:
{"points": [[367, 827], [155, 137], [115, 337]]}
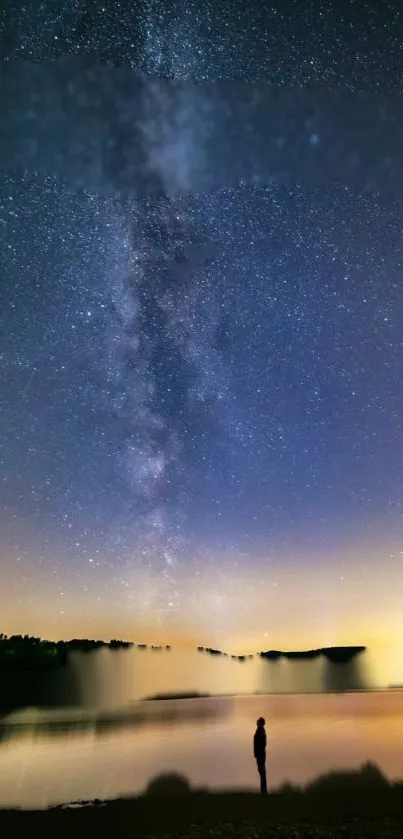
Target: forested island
{"points": [[212, 651], [334, 654], [29, 652]]}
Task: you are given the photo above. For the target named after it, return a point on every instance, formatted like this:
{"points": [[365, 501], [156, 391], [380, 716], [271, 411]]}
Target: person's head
{"points": [[261, 722]]}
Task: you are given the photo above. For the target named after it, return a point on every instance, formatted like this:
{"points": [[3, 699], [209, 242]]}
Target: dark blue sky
{"points": [[194, 376]]}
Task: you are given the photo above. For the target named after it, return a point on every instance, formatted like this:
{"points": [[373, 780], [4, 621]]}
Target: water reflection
{"points": [[106, 679], [48, 758], [348, 676], [109, 679], [33, 723]]}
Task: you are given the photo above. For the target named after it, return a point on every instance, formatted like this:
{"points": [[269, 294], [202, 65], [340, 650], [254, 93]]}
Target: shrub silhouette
{"points": [[169, 783], [287, 788], [368, 776]]}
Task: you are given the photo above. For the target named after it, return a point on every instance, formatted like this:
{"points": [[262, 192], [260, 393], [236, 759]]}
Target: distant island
{"points": [[20, 653], [212, 651], [334, 654], [28, 652]]}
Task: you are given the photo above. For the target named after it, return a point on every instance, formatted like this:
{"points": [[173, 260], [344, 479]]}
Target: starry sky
{"points": [[200, 323]]}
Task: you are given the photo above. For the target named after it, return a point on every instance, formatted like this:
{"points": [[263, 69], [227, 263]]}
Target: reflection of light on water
{"points": [[387, 666], [382, 664], [285, 676], [35, 723], [123, 676], [308, 735], [373, 669], [112, 679]]}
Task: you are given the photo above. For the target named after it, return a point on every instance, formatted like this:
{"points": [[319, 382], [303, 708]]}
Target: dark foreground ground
{"points": [[361, 813]]}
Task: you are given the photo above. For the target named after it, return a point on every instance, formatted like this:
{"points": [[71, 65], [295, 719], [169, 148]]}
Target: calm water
{"points": [[108, 679], [102, 741]]}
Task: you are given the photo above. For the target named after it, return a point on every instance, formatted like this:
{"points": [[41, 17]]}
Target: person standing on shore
{"points": [[259, 751]]}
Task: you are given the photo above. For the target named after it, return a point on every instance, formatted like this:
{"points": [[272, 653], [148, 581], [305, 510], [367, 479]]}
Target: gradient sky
{"points": [[200, 394]]}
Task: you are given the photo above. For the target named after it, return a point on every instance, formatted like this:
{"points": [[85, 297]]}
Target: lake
{"points": [[101, 740]]}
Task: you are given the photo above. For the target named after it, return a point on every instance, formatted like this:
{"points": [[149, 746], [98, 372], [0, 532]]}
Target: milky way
{"points": [[201, 318]]}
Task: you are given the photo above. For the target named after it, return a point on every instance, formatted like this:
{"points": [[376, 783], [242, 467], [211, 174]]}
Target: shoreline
{"points": [[363, 811]]}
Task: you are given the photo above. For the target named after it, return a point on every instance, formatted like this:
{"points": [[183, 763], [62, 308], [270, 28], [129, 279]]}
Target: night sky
{"points": [[200, 397]]}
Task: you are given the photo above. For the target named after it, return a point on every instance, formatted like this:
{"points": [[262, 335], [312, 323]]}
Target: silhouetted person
{"points": [[259, 751]]}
